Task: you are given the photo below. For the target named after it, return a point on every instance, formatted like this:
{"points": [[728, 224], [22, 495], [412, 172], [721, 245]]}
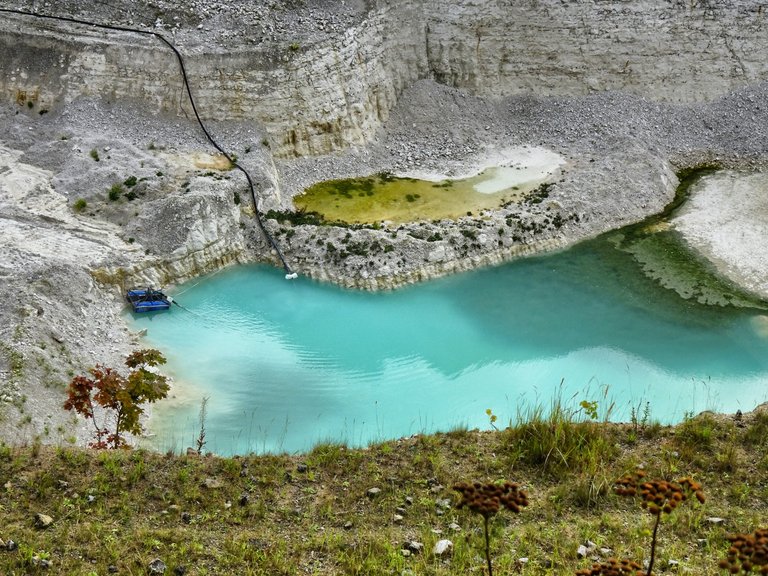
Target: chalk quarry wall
{"points": [[334, 93]]}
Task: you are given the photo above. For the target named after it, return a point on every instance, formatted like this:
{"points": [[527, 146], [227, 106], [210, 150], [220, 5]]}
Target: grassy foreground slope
{"points": [[133, 512]]}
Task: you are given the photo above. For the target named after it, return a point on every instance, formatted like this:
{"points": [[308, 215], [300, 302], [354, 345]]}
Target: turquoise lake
{"points": [[288, 364]]}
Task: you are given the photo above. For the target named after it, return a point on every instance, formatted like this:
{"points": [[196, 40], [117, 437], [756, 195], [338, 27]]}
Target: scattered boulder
{"points": [[585, 549], [43, 563], [42, 521], [213, 483], [442, 548], [157, 566], [302, 468], [373, 492], [413, 546], [715, 521]]}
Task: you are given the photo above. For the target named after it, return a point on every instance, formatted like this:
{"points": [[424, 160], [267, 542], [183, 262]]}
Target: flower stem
{"points": [[488, 546], [653, 544]]}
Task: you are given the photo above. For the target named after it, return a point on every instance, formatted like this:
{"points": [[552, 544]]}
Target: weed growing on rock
{"points": [[487, 500], [658, 497], [747, 552], [80, 205], [95, 154]]}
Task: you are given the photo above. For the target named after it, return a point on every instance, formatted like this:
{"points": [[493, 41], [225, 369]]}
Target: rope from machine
{"points": [[289, 274]]}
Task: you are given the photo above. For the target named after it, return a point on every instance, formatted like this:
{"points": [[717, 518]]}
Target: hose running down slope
{"points": [[289, 273]]}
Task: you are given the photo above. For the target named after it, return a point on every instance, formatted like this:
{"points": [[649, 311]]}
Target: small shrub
{"points": [[756, 433], [80, 205], [130, 182], [296, 218], [114, 192], [119, 396], [696, 436], [95, 154]]}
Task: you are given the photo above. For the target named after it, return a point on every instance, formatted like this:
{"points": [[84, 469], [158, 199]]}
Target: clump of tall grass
{"points": [[566, 437]]}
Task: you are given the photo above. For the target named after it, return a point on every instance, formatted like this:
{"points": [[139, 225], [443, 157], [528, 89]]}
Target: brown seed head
{"points": [[658, 496], [613, 567], [488, 499], [747, 552]]}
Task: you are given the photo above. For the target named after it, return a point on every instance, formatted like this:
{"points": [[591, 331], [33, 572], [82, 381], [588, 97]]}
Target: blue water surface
{"points": [[288, 364]]}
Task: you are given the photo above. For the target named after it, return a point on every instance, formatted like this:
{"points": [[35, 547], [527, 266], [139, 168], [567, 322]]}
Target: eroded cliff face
{"points": [[309, 99], [332, 92], [677, 50]]}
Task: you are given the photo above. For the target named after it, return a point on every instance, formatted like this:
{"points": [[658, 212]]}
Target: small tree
{"points": [[120, 397]]}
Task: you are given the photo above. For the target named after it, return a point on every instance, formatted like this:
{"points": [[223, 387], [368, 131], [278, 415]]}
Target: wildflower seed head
{"points": [[748, 552], [658, 496], [613, 567], [488, 499]]}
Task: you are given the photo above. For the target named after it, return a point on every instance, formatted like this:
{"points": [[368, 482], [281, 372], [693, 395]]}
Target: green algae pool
{"points": [[384, 197], [290, 364]]}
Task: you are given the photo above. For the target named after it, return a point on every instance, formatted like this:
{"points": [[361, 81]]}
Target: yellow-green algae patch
{"points": [[384, 197]]}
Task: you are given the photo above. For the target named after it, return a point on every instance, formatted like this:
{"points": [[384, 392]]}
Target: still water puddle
{"points": [[288, 364]]}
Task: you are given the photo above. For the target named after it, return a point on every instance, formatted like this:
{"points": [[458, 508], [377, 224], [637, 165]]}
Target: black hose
{"points": [[180, 59]]}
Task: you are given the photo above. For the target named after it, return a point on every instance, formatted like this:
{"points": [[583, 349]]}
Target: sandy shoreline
{"points": [[725, 219], [533, 163]]}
